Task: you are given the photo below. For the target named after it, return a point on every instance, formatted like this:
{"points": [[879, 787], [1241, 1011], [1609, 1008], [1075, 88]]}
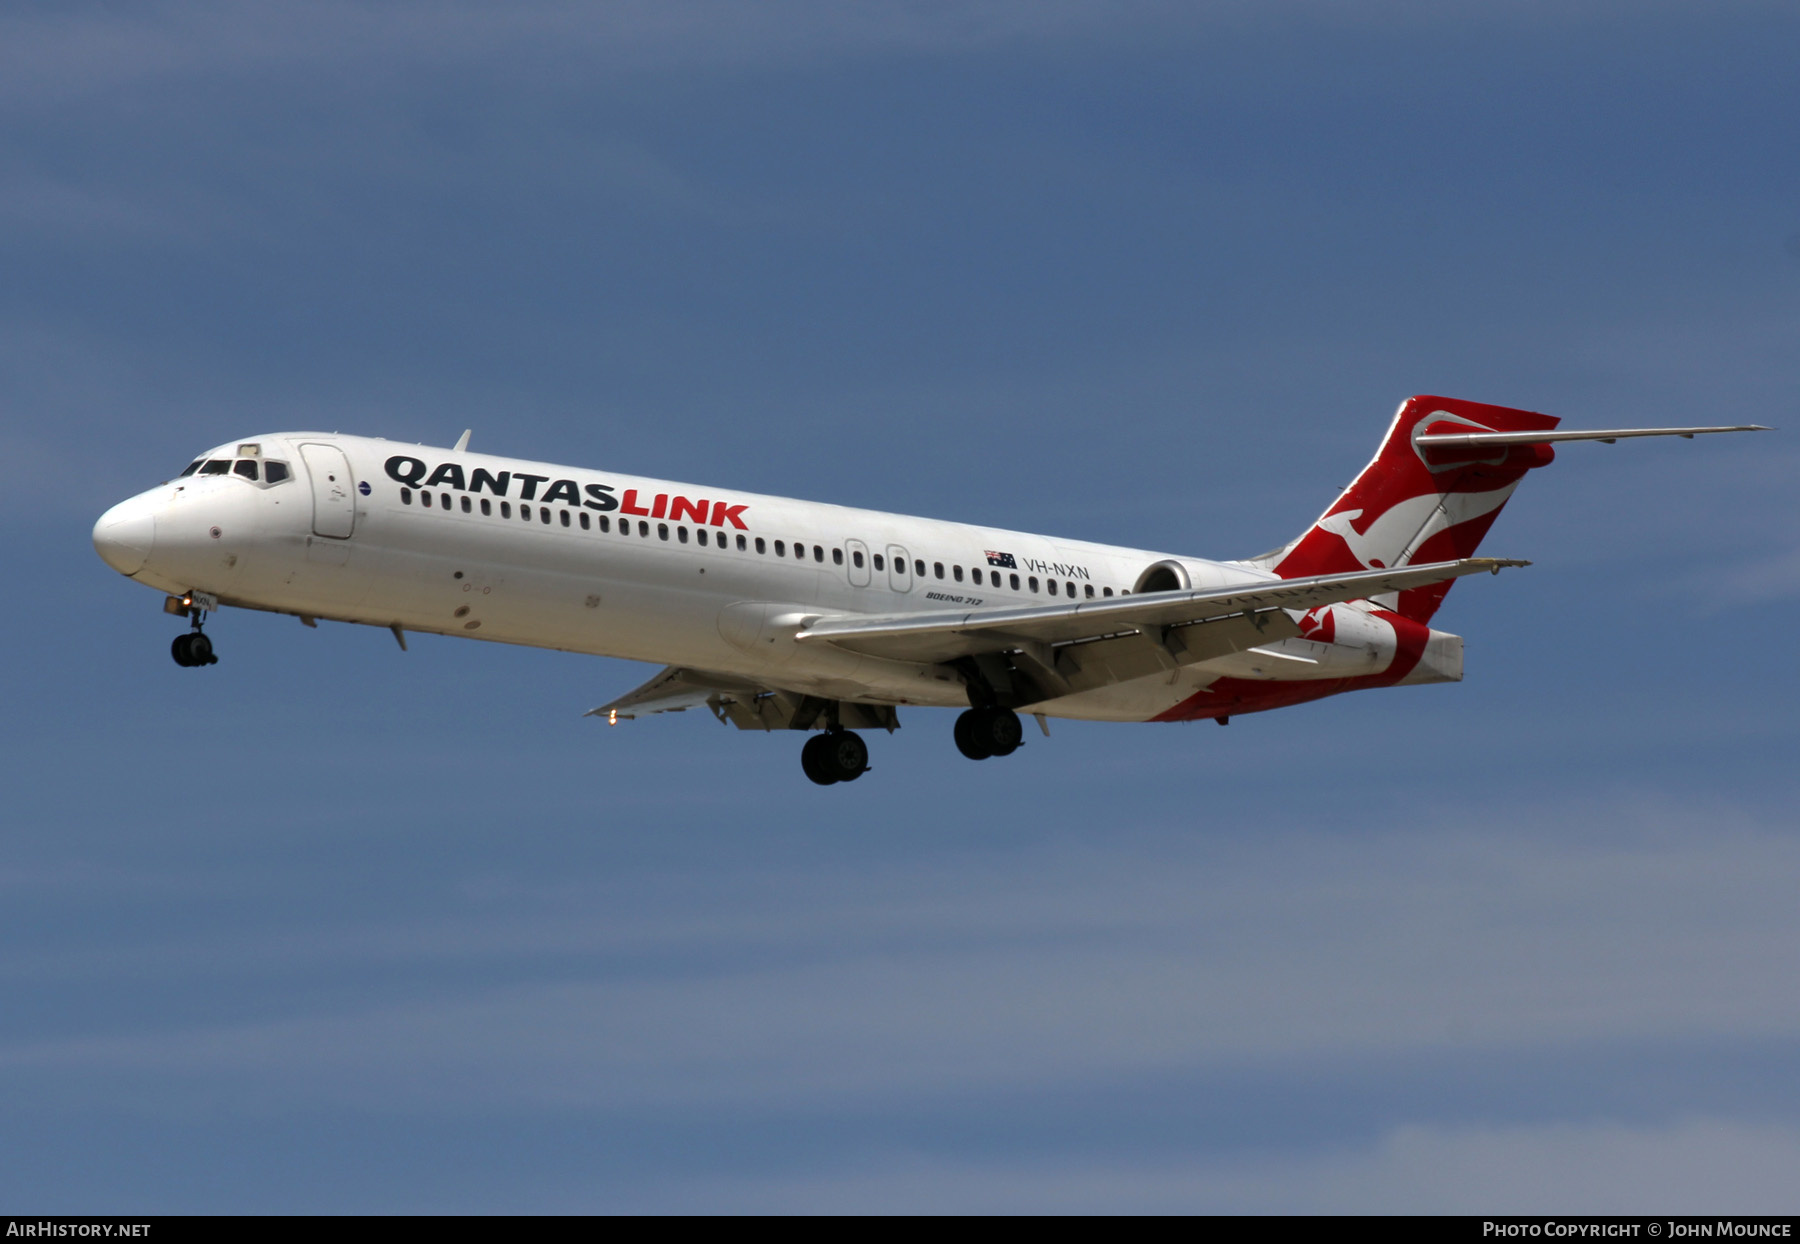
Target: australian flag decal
{"points": [[1001, 559]]}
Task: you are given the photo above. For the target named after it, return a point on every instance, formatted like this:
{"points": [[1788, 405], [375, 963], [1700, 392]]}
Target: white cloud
{"points": [[1693, 1167], [1149, 954], [49, 55], [1776, 577]]}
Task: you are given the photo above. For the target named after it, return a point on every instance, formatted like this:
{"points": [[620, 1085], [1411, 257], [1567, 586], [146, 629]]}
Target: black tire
{"points": [[200, 650], [179, 650], [1003, 732], [970, 737], [846, 754], [815, 762]]}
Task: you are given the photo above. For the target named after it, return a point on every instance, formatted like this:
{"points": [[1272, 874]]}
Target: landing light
{"points": [[612, 718], [178, 605]]}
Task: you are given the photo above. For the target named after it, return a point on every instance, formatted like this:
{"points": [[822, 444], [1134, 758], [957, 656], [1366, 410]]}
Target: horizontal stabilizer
{"points": [[1605, 436]]}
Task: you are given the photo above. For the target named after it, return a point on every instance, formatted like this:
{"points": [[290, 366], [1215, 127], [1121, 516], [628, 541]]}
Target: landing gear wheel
{"points": [[984, 732], [814, 762], [836, 756], [1003, 731], [847, 754], [968, 735], [192, 649]]}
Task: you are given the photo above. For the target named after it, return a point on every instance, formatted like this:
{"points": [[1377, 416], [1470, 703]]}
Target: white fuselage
{"points": [[469, 545]]}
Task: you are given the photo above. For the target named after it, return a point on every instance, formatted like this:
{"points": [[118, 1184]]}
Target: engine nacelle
{"points": [[1167, 575]]}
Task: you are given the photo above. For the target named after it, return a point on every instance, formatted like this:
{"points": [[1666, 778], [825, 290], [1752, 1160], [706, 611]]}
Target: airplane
{"points": [[779, 614]]}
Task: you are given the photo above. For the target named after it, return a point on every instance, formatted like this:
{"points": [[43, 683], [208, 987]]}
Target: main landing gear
{"points": [[838, 755], [984, 732]]}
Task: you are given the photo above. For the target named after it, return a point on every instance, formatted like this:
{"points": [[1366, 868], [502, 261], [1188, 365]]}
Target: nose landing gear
{"points": [[984, 732], [194, 648], [835, 756]]}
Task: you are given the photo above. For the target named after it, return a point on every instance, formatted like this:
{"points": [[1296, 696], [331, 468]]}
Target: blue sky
{"points": [[333, 927]]}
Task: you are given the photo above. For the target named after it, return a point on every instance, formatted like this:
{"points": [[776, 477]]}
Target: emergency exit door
{"points": [[899, 569]]}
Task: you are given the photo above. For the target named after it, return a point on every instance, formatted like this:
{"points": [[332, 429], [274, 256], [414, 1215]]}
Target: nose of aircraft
{"points": [[124, 535]]}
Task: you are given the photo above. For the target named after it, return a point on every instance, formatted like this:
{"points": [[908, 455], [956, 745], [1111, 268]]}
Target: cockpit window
{"points": [[252, 469]]}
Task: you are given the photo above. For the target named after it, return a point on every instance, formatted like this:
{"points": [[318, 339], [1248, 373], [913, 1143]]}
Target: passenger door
{"points": [[333, 489]]}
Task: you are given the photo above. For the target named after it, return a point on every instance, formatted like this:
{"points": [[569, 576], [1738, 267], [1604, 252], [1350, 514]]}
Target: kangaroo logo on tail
{"points": [[1404, 509]]}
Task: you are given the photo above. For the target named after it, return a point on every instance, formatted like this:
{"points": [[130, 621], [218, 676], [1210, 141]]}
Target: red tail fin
{"points": [[1418, 504]]}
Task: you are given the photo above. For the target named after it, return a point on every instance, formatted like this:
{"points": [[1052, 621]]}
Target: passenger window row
{"points": [[975, 575], [705, 538]]}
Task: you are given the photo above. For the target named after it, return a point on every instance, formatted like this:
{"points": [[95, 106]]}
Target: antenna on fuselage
{"points": [[462, 442]]}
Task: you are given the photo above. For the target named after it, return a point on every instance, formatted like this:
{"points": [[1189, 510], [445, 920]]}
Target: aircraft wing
{"points": [[675, 690], [745, 704], [941, 635]]}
